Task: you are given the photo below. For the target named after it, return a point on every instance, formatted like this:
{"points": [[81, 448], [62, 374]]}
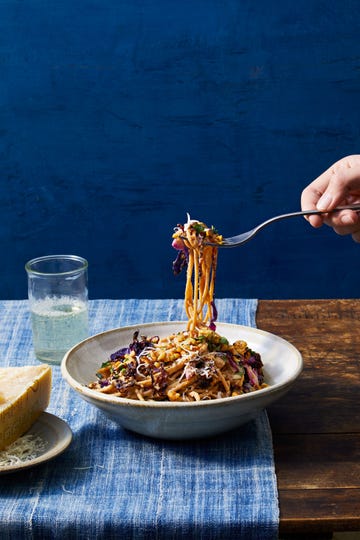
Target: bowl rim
{"points": [[108, 399]]}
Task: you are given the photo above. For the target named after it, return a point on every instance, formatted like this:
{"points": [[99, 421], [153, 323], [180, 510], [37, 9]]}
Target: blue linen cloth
{"points": [[111, 483]]}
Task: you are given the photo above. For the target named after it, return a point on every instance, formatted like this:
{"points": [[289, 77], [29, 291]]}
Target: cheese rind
{"points": [[24, 395]]}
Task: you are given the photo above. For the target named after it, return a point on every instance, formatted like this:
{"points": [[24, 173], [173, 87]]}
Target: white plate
{"points": [[56, 435]]}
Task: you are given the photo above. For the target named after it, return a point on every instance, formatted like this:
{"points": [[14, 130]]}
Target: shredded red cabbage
{"points": [[136, 345]]}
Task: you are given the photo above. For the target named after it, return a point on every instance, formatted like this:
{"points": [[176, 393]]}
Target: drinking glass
{"points": [[58, 301]]}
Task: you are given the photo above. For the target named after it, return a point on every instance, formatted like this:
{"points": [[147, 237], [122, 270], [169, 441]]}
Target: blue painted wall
{"points": [[118, 117]]}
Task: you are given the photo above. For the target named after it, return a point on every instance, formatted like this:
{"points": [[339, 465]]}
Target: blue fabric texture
{"points": [[111, 483]]}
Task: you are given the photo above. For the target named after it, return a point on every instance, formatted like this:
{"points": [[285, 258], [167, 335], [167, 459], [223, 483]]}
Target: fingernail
{"points": [[324, 202], [346, 219]]}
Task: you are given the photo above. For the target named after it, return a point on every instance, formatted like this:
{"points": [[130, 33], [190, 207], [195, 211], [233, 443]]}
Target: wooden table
{"points": [[316, 426]]}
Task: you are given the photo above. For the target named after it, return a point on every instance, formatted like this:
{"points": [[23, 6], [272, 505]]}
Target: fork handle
{"points": [[337, 209], [314, 212], [304, 213]]}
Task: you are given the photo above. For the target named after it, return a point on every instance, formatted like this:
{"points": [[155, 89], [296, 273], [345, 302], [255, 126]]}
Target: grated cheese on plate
{"points": [[24, 449]]}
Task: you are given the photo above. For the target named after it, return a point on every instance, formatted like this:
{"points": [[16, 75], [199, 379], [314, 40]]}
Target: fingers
{"points": [[344, 222], [311, 194], [341, 181], [309, 200], [315, 221], [338, 185]]}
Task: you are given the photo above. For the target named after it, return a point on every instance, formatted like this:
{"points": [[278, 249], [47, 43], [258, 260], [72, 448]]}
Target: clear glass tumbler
{"points": [[58, 301]]}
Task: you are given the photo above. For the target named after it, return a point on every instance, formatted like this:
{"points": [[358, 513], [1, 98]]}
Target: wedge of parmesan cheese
{"points": [[24, 395]]}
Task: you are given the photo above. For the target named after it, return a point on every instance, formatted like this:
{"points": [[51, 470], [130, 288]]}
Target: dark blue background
{"points": [[118, 117]]}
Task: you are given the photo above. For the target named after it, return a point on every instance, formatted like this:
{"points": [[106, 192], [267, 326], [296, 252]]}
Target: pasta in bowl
{"points": [[178, 419], [183, 380]]}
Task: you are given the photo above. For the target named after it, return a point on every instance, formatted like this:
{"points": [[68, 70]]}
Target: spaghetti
{"points": [[187, 366], [196, 244], [196, 364]]}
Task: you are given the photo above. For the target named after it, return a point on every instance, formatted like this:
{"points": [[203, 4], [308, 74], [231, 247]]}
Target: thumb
{"points": [[334, 194]]}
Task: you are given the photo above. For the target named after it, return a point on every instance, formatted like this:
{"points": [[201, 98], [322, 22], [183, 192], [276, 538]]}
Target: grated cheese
{"points": [[24, 449]]}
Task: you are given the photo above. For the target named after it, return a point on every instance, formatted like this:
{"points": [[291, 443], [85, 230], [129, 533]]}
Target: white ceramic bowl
{"points": [[168, 420]]}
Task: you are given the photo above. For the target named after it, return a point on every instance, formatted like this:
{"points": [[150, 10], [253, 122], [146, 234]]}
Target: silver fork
{"points": [[234, 241]]}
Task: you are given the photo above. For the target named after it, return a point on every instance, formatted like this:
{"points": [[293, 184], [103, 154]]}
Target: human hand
{"points": [[339, 185]]}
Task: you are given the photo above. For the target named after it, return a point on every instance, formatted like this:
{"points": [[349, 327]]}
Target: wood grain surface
{"points": [[316, 426]]}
